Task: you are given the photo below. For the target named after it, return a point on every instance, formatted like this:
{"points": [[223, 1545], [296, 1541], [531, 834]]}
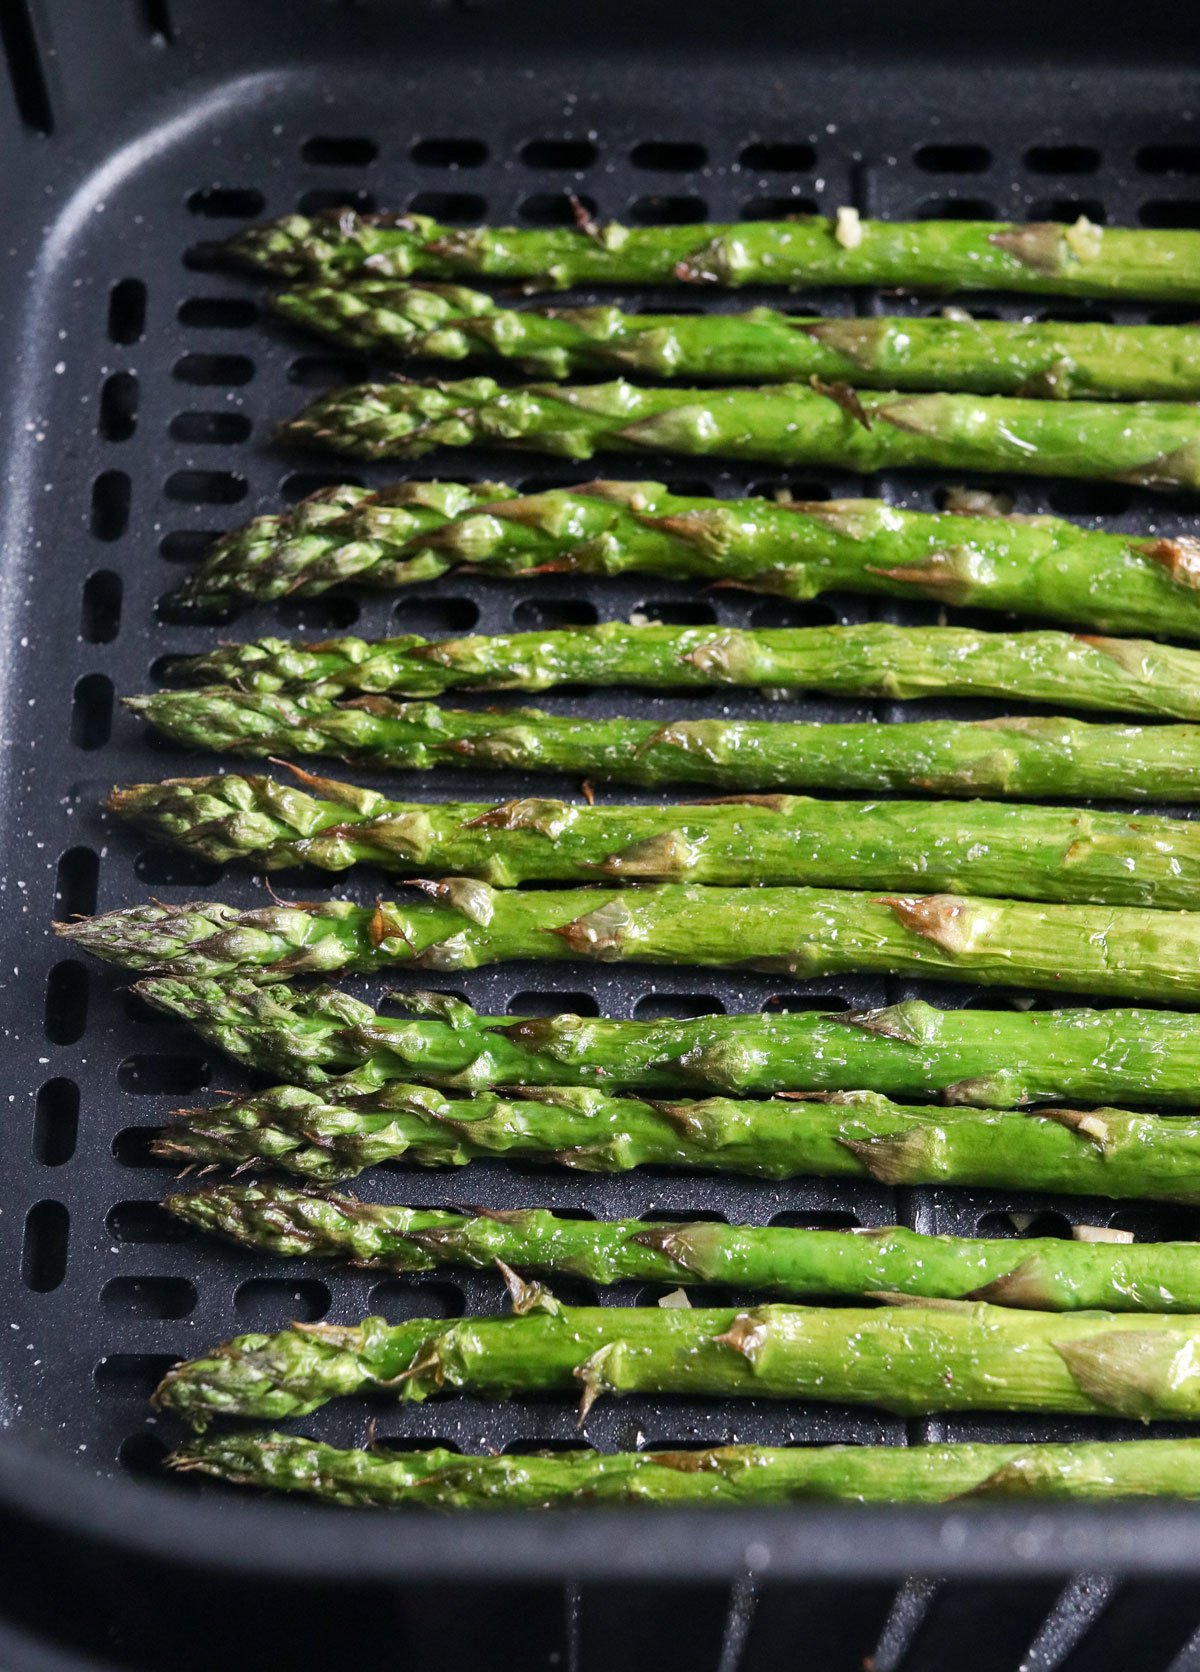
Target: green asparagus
{"points": [[869, 659], [856, 1135], [1046, 1273], [1113, 951], [1017, 756], [911, 1357], [989, 356], [933, 1474], [1031, 852], [1039, 258], [997, 1058], [416, 531], [1154, 444]]}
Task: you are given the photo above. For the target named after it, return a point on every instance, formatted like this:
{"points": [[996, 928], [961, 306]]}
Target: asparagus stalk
{"points": [[1155, 444], [1040, 258], [1045, 1273], [1016, 756], [1041, 853], [998, 1058], [856, 1135], [912, 1358], [1114, 951], [415, 531], [988, 357], [743, 1474], [869, 659]]}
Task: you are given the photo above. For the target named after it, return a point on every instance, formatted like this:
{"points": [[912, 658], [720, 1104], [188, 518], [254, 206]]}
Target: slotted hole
{"points": [[449, 153], [782, 612], [56, 1121], [667, 211], [316, 202], [786, 1003], [1068, 209], [136, 1221], [326, 371], [395, 1299], [669, 156], [1170, 212], [210, 429], [111, 496], [118, 406], [339, 150], [91, 711], [678, 612], [75, 886], [420, 613], [414, 1442], [554, 612], [44, 1250], [157, 1074], [148, 1297], [1044, 1224], [142, 1455], [131, 1146], [570, 154], [271, 1303], [683, 1216], [131, 1375], [218, 313], [206, 487], [213, 369], [1090, 499], [1062, 159], [164, 868], [187, 545], [301, 483], [798, 491], [956, 209], [454, 208], [766, 157], [541, 1003], [553, 209], [127, 311], [66, 1002], [953, 159], [227, 202], [1071, 313], [19, 41], [816, 1219], [653, 1007], [334, 609], [1169, 159], [776, 208], [156, 20], [100, 617]]}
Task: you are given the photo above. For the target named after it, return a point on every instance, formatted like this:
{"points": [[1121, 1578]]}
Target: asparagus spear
{"points": [[415, 531], [1016, 756], [869, 659], [1046, 1273], [1042, 853], [1115, 951], [996, 1058], [912, 1357], [1155, 444], [990, 357], [857, 1135], [1040, 258], [934, 1474]]}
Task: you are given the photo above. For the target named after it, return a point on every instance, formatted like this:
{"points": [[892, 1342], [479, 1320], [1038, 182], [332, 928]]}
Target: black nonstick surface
{"points": [[141, 387]]}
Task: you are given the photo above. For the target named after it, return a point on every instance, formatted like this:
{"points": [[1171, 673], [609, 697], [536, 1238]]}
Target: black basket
{"points": [[141, 385]]}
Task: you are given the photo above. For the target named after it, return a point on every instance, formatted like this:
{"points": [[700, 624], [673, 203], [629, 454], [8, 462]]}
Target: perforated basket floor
{"points": [[142, 384]]}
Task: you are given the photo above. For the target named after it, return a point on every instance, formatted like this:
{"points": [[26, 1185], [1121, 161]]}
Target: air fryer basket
{"points": [[141, 383]]}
